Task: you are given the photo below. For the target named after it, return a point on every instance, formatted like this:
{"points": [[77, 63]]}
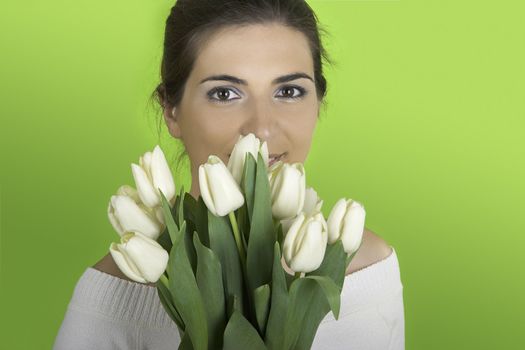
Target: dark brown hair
{"points": [[191, 22]]}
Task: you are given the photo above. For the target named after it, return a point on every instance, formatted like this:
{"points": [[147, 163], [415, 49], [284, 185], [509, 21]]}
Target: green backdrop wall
{"points": [[425, 126]]}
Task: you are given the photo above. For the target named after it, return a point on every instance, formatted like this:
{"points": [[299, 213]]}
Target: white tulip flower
{"points": [[305, 243], [312, 203], [219, 190], [126, 213], [139, 257], [347, 222], [287, 187], [152, 173], [246, 144]]}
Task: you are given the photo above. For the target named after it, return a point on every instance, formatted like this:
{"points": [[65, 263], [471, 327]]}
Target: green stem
{"points": [[297, 275], [240, 245], [164, 280], [242, 254]]}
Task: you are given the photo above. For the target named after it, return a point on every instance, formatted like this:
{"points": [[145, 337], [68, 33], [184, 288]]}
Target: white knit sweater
{"points": [[106, 312]]}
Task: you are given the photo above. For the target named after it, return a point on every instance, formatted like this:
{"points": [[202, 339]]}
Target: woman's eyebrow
{"points": [[278, 80]]}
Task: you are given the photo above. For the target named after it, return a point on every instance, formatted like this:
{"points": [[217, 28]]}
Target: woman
{"points": [[230, 68]]}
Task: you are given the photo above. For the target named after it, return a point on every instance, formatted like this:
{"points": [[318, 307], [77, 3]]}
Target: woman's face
{"points": [[256, 79]]}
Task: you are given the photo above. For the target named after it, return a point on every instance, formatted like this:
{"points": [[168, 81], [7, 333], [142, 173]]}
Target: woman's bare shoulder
{"points": [[373, 249]]}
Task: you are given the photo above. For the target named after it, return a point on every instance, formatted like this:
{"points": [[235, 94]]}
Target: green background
{"points": [[425, 126]]}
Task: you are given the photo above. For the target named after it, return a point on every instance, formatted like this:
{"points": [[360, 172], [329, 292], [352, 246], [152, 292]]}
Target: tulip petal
{"points": [[148, 256], [145, 163], [312, 202], [148, 195], [334, 220], [291, 236], [246, 144], [264, 153], [225, 192], [113, 219], [132, 218], [159, 214], [126, 190], [124, 264], [161, 175], [319, 205], [205, 190], [302, 186], [289, 192], [236, 163], [287, 223], [312, 248], [300, 237], [273, 171], [353, 227]]}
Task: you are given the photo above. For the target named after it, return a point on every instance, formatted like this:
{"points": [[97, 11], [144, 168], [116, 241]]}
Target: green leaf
{"points": [[259, 260], [333, 264], [164, 240], [186, 295], [185, 343], [180, 205], [243, 223], [331, 291], [209, 280], [167, 303], [274, 337], [261, 299], [280, 233], [183, 286], [241, 335], [332, 267], [302, 293], [351, 256], [289, 280], [190, 249], [223, 244], [197, 212], [172, 227], [248, 182]]}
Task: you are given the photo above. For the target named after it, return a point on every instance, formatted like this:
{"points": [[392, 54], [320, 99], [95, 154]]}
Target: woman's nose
{"points": [[261, 121]]}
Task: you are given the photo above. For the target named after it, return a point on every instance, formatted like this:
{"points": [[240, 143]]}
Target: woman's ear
{"points": [[170, 117]]}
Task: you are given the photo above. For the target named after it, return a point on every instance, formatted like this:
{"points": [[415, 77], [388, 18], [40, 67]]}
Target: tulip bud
{"points": [[347, 222], [126, 213], [287, 187], [153, 173], [312, 203], [305, 243], [140, 258], [246, 144], [219, 190]]}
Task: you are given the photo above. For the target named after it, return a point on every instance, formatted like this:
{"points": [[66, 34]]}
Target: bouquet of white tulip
{"points": [[224, 282]]}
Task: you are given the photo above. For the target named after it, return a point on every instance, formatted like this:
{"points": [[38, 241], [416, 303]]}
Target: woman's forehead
{"points": [[247, 50]]}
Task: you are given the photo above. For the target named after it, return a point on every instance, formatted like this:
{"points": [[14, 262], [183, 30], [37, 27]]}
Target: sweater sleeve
{"points": [[371, 315], [106, 312]]}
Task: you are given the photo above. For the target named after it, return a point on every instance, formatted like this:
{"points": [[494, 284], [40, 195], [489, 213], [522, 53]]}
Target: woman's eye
{"points": [[289, 92], [221, 94]]}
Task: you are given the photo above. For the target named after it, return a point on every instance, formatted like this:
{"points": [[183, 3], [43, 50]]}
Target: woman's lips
{"points": [[272, 158]]}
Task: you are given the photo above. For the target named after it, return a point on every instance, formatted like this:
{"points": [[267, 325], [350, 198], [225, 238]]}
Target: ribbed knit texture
{"points": [[369, 286], [121, 299], [112, 313]]}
